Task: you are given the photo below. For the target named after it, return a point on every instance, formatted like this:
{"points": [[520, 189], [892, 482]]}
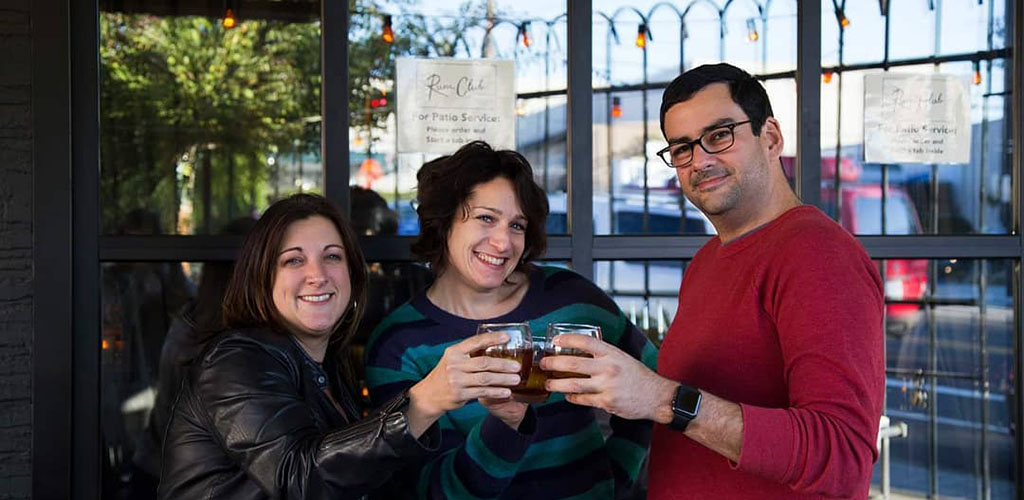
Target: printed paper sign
{"points": [[916, 119], [445, 103]]}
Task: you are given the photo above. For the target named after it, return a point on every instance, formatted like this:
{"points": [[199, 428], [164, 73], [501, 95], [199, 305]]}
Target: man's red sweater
{"points": [[787, 322]]}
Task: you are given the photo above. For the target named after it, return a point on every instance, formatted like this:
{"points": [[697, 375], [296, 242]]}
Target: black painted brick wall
{"points": [[16, 288]]}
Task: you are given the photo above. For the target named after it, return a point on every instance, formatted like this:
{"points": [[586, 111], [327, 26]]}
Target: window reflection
{"points": [[141, 302], [949, 199], [201, 123], [534, 40], [633, 192], [950, 377]]}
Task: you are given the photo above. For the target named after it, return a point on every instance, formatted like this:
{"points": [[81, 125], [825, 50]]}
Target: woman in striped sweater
{"points": [[482, 221]]}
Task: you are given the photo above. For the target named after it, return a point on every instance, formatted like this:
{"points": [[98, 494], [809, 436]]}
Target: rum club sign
{"points": [[445, 103], [911, 118]]}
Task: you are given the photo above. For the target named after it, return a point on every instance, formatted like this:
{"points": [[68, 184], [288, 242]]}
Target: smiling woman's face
{"points": [[311, 282], [486, 243]]}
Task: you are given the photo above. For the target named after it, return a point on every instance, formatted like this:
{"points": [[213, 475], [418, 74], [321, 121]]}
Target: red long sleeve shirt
{"points": [[787, 322]]}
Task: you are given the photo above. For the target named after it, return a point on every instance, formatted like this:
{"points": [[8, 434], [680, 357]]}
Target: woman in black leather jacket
{"points": [[263, 413]]}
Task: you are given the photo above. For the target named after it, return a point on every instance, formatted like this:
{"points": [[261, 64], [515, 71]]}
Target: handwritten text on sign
{"points": [[443, 104], [912, 118]]}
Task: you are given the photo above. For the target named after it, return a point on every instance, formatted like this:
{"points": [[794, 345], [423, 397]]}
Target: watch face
{"points": [[687, 400]]}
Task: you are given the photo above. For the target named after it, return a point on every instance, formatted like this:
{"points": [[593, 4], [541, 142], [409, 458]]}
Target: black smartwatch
{"points": [[685, 406]]}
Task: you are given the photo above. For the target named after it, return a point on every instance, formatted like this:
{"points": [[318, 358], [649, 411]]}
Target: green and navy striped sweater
{"points": [[480, 457]]}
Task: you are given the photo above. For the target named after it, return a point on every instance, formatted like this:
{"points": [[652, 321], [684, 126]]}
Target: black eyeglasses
{"points": [[716, 140]]}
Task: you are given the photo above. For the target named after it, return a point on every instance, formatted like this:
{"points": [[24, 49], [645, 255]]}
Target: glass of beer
{"points": [[533, 390], [556, 329], [519, 347]]}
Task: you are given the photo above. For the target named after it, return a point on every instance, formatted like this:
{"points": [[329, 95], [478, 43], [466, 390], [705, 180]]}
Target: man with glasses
{"points": [[770, 380]]}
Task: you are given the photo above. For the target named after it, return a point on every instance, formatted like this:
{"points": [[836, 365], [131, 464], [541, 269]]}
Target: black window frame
{"points": [[68, 247]]}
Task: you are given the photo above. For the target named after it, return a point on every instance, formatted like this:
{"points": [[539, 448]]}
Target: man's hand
{"points": [[619, 384]]}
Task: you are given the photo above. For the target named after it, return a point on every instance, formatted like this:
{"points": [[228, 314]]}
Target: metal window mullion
{"points": [[334, 97], [1015, 18], [85, 181], [808, 97], [579, 136], [52, 252]]}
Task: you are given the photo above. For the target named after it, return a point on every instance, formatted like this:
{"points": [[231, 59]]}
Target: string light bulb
{"points": [[752, 34], [641, 35], [616, 107], [523, 31], [844, 22], [386, 32], [977, 73], [229, 20], [826, 76]]}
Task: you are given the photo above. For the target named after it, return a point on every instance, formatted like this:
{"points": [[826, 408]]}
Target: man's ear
{"points": [[771, 137]]}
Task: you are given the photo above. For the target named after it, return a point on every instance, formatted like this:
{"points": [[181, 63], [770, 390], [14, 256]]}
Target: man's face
{"points": [[731, 182]]}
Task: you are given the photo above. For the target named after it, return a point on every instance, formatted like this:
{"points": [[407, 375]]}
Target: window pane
{"points": [[864, 36], [635, 192], [944, 348], [911, 30], [531, 34], [647, 291], [200, 124], [142, 302], [943, 199], [966, 26]]}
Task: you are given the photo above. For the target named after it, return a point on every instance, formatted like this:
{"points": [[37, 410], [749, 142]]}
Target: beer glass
{"points": [[519, 347], [556, 329], [533, 390]]}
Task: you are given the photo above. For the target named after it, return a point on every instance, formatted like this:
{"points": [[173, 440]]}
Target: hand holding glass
{"points": [[556, 329], [520, 347]]}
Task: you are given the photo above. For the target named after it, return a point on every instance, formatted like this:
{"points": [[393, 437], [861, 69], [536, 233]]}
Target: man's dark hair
{"points": [[445, 184], [745, 90]]}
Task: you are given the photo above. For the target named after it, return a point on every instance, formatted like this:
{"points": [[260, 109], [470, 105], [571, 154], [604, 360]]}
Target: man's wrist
{"points": [[665, 392]]}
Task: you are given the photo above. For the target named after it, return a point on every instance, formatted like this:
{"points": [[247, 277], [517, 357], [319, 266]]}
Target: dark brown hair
{"points": [[444, 185], [744, 89], [249, 300]]}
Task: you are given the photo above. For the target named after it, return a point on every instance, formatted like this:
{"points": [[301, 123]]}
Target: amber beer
{"points": [[533, 390], [530, 388]]}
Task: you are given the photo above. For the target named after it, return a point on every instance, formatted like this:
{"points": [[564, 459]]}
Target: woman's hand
{"points": [[459, 378], [507, 410]]}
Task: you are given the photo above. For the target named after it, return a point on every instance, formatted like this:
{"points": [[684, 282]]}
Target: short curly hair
{"points": [[446, 183]]}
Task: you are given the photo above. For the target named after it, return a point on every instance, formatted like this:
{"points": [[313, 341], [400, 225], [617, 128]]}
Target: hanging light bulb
{"points": [[752, 30], [641, 35], [977, 72], [616, 107], [229, 20], [520, 109], [826, 76], [386, 33], [523, 31], [844, 21]]}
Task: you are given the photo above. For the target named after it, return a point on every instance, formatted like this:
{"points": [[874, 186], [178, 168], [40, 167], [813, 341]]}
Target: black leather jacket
{"points": [[255, 420]]}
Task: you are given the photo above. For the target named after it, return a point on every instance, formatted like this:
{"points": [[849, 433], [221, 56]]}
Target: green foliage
{"points": [[175, 89], [192, 114]]}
